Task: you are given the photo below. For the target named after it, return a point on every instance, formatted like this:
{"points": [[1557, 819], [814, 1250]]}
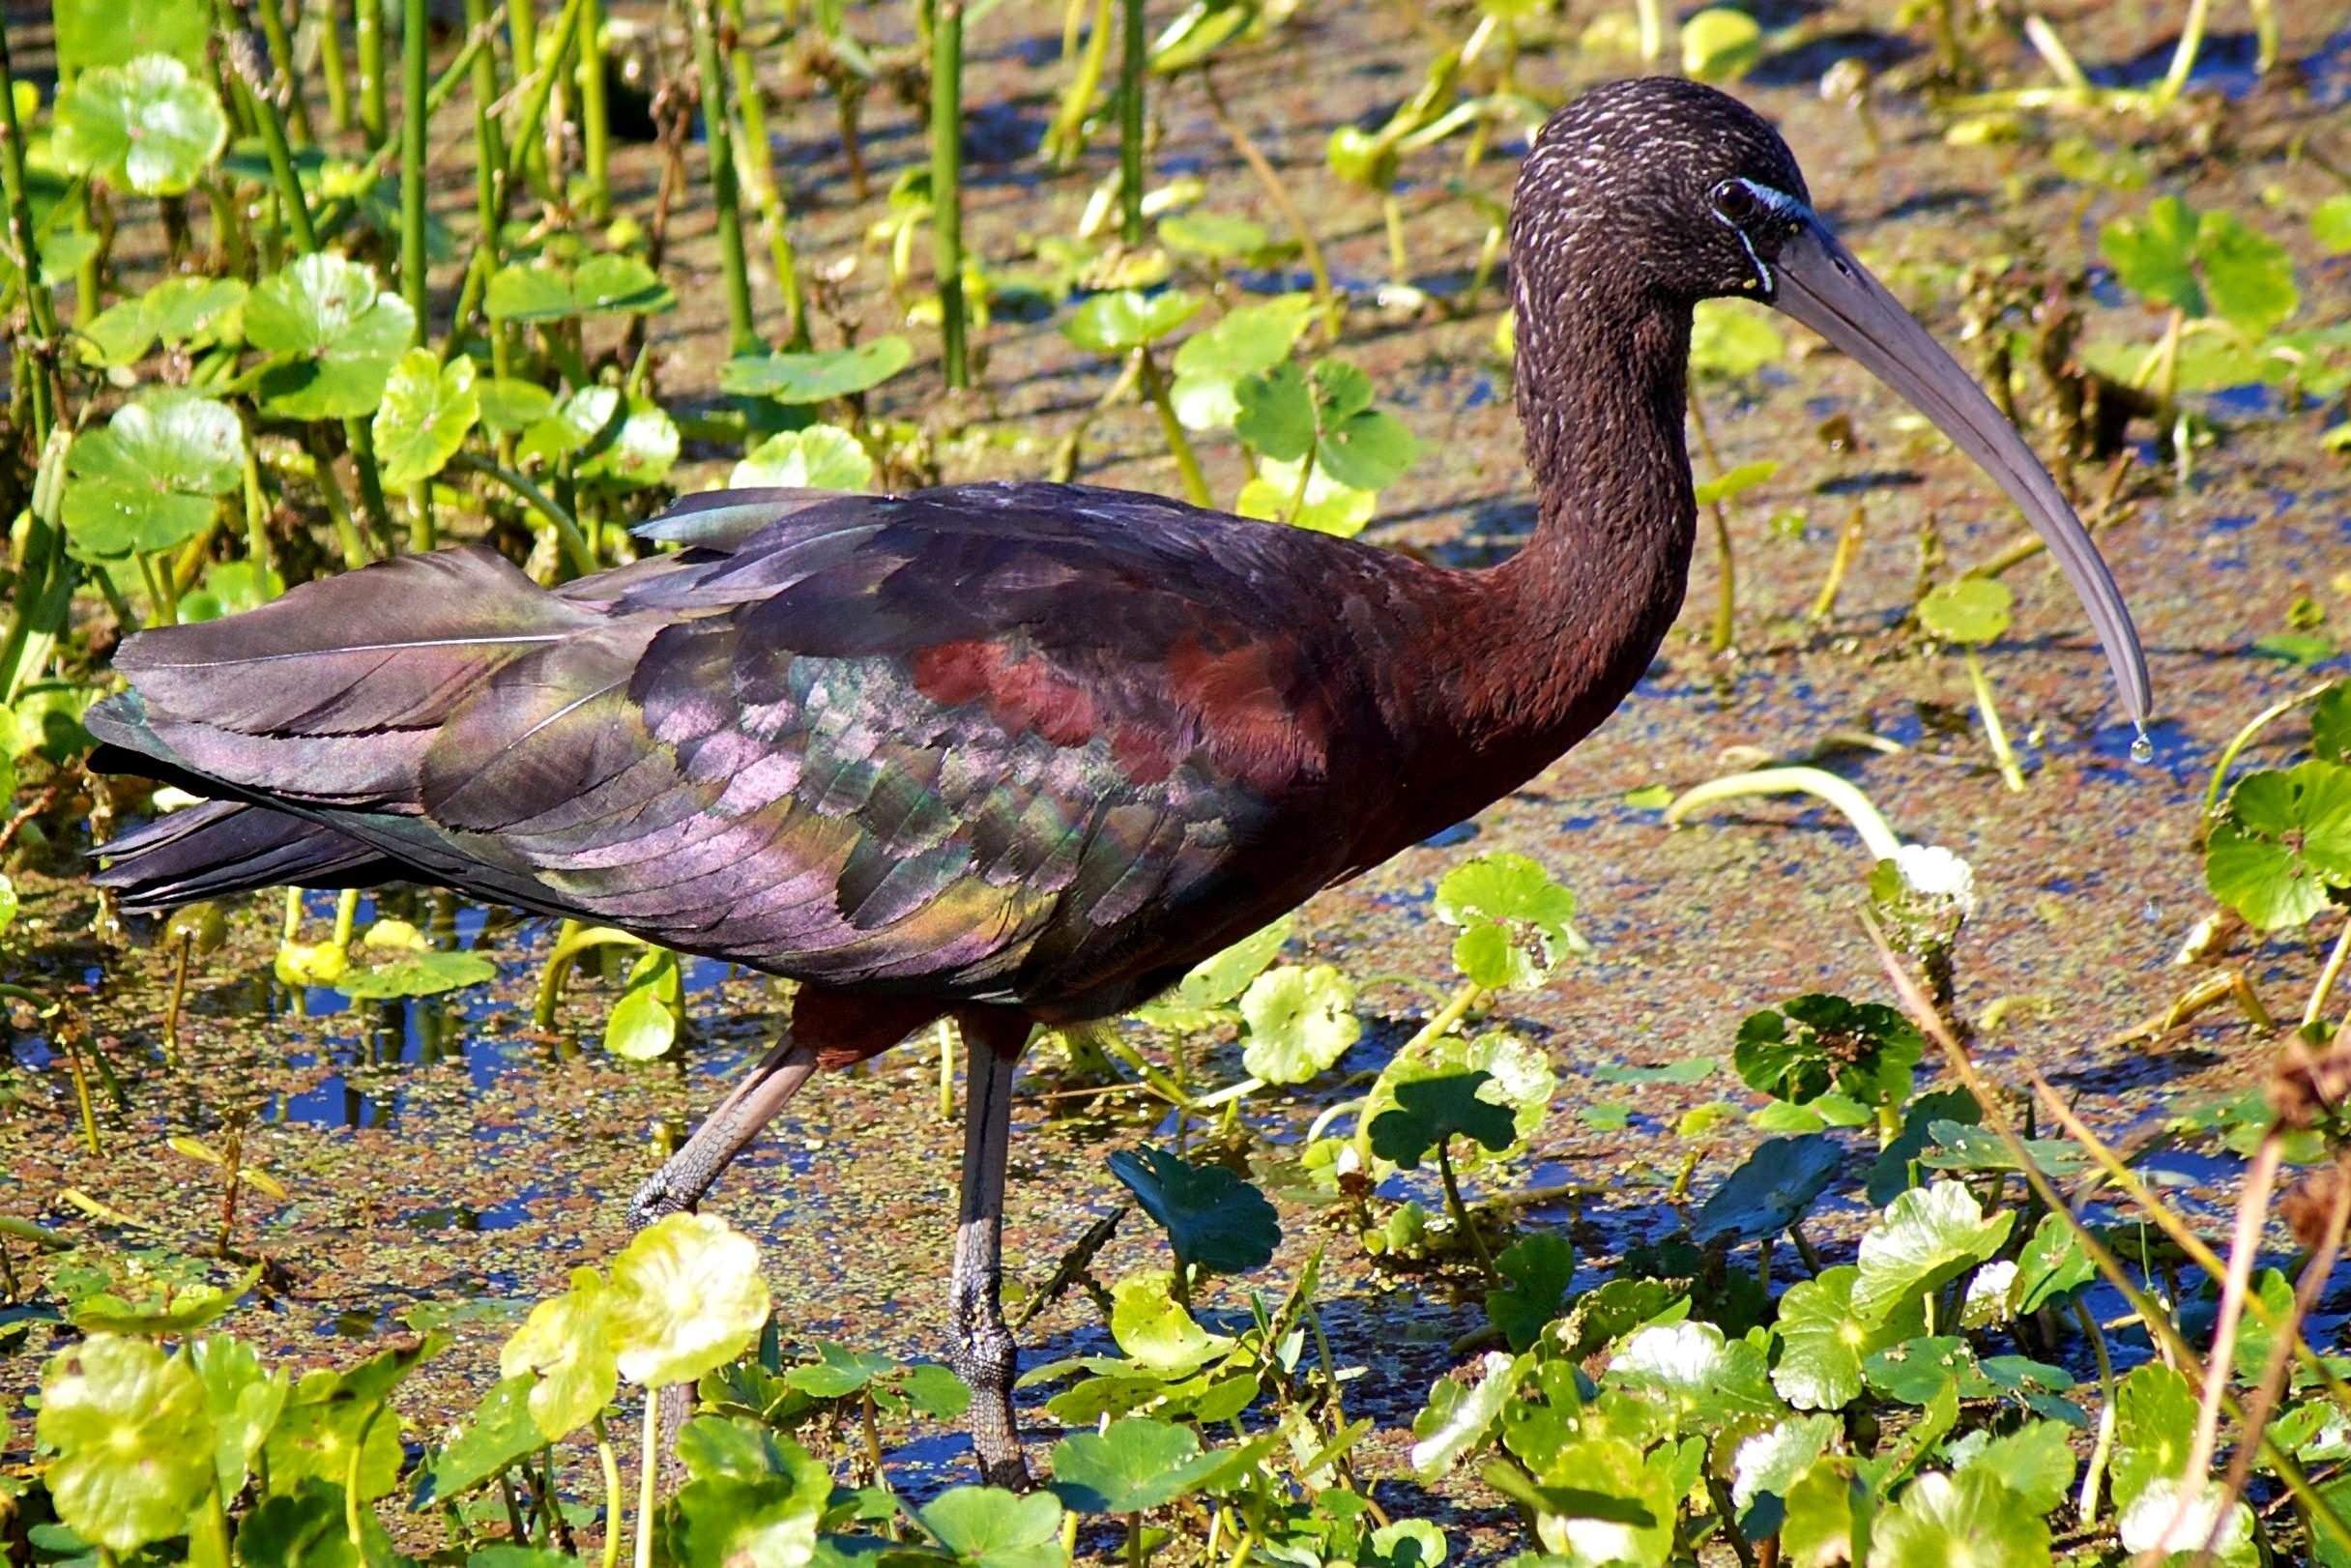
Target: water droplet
{"points": [[2142, 749]]}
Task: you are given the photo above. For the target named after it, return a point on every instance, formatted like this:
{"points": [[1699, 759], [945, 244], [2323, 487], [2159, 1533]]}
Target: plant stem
{"points": [[2327, 976], [567, 529], [1134, 62], [1460, 1211], [595, 120], [1995, 732], [1849, 546], [611, 1462], [649, 1477], [1876, 833], [1179, 445], [332, 64], [1278, 193], [2184, 54], [1653, 20], [39, 304], [415, 81], [759, 166], [947, 185], [1065, 138], [946, 1069], [282, 54], [2245, 736], [742, 333], [2094, 1473], [373, 114]]}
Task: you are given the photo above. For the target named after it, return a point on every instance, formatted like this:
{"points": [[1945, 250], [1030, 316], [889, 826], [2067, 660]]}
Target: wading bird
{"points": [[1021, 754]]}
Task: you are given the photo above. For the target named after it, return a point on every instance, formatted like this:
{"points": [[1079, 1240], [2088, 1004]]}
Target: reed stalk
{"points": [[947, 185]]}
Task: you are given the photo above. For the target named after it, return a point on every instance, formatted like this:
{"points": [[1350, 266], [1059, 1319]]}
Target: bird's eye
{"points": [[1735, 200]]}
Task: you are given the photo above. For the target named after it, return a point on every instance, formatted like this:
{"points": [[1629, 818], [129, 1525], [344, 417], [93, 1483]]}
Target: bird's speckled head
{"points": [[1664, 186]]}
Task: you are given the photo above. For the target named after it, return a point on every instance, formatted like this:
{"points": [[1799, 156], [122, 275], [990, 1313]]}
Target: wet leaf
{"points": [[1771, 1191], [1971, 1517], [686, 1296], [1276, 415], [1514, 919], [818, 457], [418, 974], [1540, 1268], [1213, 234], [1214, 1220], [1367, 450], [335, 333], [1925, 1238], [1460, 1417], [990, 1527], [2283, 848], [755, 1500], [2331, 724], [1769, 1463], [1125, 319], [1815, 1043], [428, 410], [150, 126], [1522, 1083], [1714, 1386], [838, 1371], [502, 1431], [1823, 1339], [1301, 1021], [1155, 1330], [631, 440], [1967, 609], [1217, 980], [817, 377], [133, 1437], [644, 1022], [1721, 44], [2035, 1462], [2051, 1268], [149, 479], [244, 1399], [1734, 481], [1134, 1465], [542, 290], [2155, 1421], [2154, 255], [1430, 1111]]}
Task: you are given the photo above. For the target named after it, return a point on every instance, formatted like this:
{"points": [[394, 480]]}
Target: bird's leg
{"points": [[983, 1354], [750, 1106]]}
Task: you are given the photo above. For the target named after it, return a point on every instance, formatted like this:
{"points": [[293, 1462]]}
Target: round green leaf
{"points": [[1721, 44], [1514, 919], [818, 457], [2154, 255], [1134, 1465], [990, 1527], [1301, 1021], [335, 332], [1126, 319], [428, 410], [528, 291], [417, 974], [1925, 1238], [1967, 609], [2330, 222], [1211, 234], [2248, 276], [134, 1440], [1971, 1517], [629, 441], [150, 477], [149, 127], [1431, 1111], [1773, 1189], [1367, 450], [813, 378], [2284, 847], [1155, 1329], [1276, 412], [1214, 1220], [687, 1297], [1824, 1340], [1216, 980]]}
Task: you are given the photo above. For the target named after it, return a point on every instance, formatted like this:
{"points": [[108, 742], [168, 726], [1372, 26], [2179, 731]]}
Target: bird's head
{"points": [[1642, 197]]}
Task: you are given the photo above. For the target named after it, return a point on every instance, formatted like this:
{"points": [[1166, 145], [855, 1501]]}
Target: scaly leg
{"points": [[982, 1352], [750, 1106]]}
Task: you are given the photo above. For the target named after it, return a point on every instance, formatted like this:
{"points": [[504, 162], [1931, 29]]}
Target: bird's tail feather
{"points": [[223, 847]]}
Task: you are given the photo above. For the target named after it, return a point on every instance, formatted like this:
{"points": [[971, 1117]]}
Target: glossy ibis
{"points": [[1020, 754]]}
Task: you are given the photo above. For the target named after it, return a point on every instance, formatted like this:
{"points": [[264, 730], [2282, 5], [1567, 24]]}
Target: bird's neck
{"points": [[1560, 633]]}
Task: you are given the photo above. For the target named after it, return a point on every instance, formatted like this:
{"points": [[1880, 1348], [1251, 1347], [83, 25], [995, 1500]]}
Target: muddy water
{"points": [[440, 1154]]}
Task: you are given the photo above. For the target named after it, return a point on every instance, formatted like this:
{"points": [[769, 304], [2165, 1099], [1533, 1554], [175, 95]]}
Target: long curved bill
{"points": [[1815, 279]]}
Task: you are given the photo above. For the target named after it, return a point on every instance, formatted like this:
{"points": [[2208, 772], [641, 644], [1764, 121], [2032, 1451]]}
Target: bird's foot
{"points": [[1007, 1470]]}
